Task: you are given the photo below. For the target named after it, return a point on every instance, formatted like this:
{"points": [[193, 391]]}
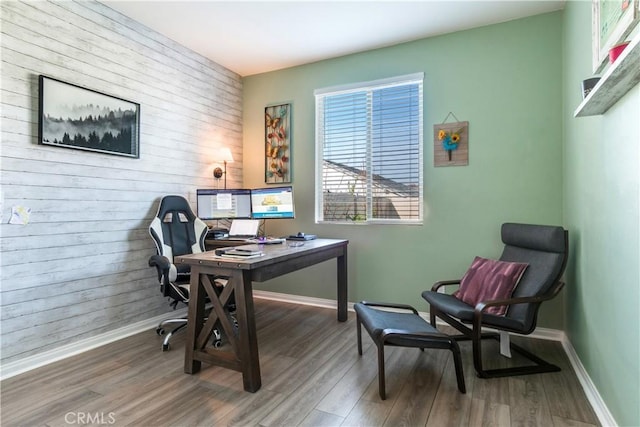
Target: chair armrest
{"points": [[160, 262], [389, 305], [482, 305], [442, 283], [163, 265], [521, 300]]}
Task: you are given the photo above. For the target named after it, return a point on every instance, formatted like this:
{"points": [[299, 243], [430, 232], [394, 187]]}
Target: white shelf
{"points": [[618, 79]]}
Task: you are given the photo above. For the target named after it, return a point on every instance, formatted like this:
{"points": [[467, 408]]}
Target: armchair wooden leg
{"points": [[476, 336], [457, 361], [381, 385], [541, 366], [432, 317], [359, 333]]}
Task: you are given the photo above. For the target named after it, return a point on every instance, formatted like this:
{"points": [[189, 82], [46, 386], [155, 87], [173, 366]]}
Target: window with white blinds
{"points": [[369, 152]]}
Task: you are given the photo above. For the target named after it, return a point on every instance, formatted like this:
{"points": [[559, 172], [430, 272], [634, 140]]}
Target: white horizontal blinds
{"points": [[396, 139], [345, 134], [370, 151]]}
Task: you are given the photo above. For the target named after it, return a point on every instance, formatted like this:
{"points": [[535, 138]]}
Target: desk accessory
{"points": [[222, 251], [266, 241], [588, 84], [239, 253], [217, 233], [615, 51], [235, 256], [302, 237], [244, 252]]}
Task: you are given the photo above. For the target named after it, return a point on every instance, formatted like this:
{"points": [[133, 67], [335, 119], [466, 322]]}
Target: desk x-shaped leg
{"points": [[243, 355]]}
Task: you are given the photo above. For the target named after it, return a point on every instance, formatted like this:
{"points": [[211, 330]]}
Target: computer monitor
{"points": [[272, 202], [223, 204]]}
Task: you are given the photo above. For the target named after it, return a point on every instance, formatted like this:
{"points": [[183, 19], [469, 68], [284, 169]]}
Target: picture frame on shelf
{"points": [[277, 135], [72, 116], [612, 22]]}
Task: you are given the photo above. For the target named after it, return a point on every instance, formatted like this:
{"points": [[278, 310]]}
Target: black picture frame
{"points": [[72, 116]]}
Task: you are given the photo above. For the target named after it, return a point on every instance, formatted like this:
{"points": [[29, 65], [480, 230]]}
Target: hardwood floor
{"points": [[311, 376]]}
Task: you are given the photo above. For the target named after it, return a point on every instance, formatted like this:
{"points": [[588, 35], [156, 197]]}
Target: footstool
{"points": [[405, 329]]}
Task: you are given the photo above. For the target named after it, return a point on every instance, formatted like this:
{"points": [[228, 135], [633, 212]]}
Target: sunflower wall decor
{"points": [[451, 144], [277, 135]]}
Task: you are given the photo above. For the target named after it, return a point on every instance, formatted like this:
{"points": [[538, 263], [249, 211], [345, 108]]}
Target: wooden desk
{"points": [[278, 260]]}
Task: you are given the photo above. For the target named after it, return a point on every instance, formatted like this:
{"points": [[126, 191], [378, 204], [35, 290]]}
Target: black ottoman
{"points": [[405, 329]]}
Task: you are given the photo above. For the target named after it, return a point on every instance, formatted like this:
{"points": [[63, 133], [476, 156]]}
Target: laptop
{"points": [[243, 229]]}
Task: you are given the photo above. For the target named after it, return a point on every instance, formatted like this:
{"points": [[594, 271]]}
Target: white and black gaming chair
{"points": [[176, 231]]}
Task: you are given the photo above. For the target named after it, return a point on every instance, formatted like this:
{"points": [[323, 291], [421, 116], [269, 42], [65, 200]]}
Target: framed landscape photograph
{"points": [[613, 20], [75, 117]]}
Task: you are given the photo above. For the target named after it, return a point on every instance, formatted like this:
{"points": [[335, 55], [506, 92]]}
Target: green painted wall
{"points": [[517, 84], [506, 81], [601, 193]]}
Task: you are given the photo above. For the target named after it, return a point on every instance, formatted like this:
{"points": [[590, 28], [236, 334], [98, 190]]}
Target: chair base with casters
{"points": [[182, 323], [216, 338], [404, 329], [160, 330]]}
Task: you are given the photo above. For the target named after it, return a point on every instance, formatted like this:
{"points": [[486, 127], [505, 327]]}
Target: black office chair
{"points": [[177, 231], [545, 250]]}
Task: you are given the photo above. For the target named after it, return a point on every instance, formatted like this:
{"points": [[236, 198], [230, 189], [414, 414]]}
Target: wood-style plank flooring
{"points": [[311, 376]]}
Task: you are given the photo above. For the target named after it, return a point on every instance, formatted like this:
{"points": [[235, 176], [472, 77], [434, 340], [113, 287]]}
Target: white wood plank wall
{"points": [[79, 268]]}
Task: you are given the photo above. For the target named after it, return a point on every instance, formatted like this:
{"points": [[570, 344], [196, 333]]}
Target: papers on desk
{"points": [[241, 253], [266, 241]]}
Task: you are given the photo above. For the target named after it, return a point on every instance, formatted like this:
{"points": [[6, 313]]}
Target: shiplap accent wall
{"points": [[79, 268]]}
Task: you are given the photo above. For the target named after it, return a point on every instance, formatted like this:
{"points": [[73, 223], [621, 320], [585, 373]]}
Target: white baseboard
{"points": [[31, 362], [600, 408], [28, 363], [297, 299], [540, 333]]}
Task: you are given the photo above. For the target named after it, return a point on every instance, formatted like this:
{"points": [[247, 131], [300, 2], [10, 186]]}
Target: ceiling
{"points": [[251, 37]]}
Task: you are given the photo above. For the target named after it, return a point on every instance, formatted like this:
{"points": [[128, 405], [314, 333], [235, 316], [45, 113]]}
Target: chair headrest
{"points": [[170, 204], [544, 238]]}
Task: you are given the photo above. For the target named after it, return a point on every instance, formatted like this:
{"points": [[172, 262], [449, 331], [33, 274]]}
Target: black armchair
{"points": [[545, 249]]}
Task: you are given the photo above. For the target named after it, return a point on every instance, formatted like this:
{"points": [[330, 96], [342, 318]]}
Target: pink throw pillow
{"points": [[488, 280]]}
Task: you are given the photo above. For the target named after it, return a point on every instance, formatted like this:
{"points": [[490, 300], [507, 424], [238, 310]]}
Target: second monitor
{"points": [[272, 202]]}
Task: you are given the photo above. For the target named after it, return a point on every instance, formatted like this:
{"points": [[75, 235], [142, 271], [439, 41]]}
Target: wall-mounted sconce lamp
{"points": [[224, 155]]}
